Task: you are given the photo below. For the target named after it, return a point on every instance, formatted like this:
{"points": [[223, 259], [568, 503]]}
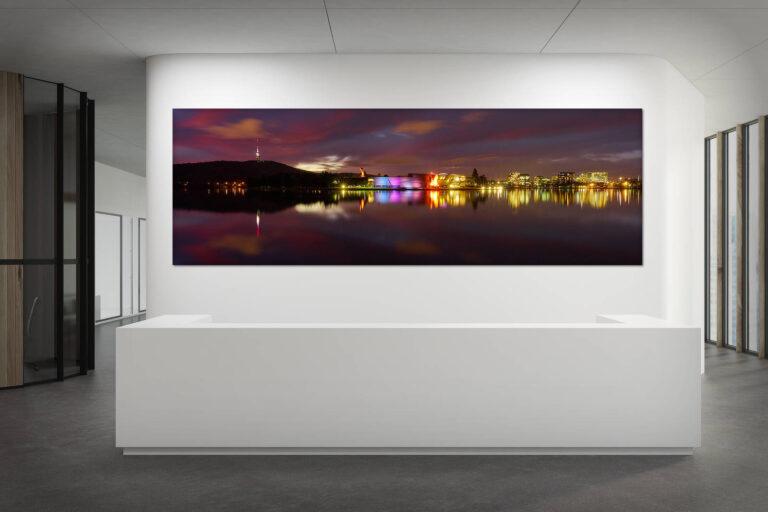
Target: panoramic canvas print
{"points": [[407, 186]]}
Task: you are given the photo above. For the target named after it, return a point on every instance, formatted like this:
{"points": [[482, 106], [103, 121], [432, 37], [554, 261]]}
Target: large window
{"points": [[733, 317], [142, 264], [120, 287], [735, 286], [714, 264], [755, 222], [108, 249]]}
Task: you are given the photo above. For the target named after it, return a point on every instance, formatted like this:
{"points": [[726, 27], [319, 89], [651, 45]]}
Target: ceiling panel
{"points": [[158, 31], [694, 40], [198, 4], [444, 30], [29, 4], [751, 64], [53, 44], [448, 4]]}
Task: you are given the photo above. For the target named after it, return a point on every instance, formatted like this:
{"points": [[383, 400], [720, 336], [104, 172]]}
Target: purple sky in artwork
{"points": [[402, 141]]}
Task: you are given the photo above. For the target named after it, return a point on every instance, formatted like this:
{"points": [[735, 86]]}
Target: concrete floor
{"points": [[57, 453]]}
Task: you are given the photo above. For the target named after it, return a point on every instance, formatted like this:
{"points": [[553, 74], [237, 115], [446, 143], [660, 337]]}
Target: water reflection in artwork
{"points": [[492, 226]]}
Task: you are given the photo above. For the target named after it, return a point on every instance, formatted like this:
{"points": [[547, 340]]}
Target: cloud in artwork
{"points": [[401, 141], [615, 157], [244, 129], [418, 127], [474, 117], [397, 160], [329, 163]]}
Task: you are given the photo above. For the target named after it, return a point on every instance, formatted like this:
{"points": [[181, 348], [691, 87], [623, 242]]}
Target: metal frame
{"points": [[83, 187], [745, 236], [724, 242], [90, 243], [707, 240], [58, 215], [764, 142], [139, 310], [120, 315]]}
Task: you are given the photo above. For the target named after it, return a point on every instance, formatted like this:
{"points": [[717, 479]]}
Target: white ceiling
{"points": [[100, 45]]}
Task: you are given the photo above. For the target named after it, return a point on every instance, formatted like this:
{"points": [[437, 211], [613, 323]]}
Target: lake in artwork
{"points": [[407, 187]]}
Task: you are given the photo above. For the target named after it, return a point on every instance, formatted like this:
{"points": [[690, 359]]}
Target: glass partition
{"points": [[56, 224], [71, 169], [71, 324]]}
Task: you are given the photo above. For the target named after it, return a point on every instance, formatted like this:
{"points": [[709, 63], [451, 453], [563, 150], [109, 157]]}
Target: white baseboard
{"points": [[408, 451]]}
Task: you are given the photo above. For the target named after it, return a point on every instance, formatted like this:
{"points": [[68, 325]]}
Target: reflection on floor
{"points": [[57, 453]]}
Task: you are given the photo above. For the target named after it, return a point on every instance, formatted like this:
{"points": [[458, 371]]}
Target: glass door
{"points": [[39, 342]]}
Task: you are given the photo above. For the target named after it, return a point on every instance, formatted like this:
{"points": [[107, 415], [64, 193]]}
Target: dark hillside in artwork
{"points": [[255, 173]]}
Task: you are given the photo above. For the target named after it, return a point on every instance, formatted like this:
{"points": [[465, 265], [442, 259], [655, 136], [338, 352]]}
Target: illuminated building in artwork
{"points": [[258, 155], [512, 178], [397, 182], [453, 180], [565, 178], [592, 178], [444, 180], [598, 177], [540, 181], [524, 180]]}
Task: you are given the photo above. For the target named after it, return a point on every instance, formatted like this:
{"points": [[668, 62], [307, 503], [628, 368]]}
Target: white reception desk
{"points": [[622, 385]]}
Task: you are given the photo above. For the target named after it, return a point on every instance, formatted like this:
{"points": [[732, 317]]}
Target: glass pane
{"points": [[733, 302], [127, 270], [107, 266], [71, 171], [39, 314], [71, 321], [39, 168], [713, 265], [754, 261], [142, 265], [71, 167]]}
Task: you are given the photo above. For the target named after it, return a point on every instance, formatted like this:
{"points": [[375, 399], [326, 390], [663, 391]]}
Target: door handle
{"points": [[31, 312]]}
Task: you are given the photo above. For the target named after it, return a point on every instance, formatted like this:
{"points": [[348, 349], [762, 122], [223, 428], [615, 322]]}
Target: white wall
{"points": [[667, 284], [120, 192]]}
